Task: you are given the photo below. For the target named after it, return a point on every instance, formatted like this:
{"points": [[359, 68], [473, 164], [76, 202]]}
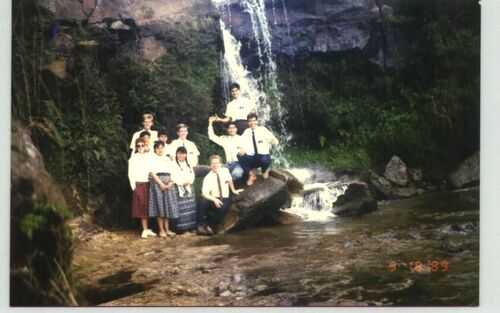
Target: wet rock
{"points": [[258, 204], [287, 218], [294, 185], [396, 171], [467, 173], [415, 174], [382, 185], [355, 201], [405, 192]]}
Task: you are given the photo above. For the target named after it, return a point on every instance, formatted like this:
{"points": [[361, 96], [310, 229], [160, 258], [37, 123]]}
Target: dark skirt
{"points": [[187, 212], [162, 203], [140, 201]]}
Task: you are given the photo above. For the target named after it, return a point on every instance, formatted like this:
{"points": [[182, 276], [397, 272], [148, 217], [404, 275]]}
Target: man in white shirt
{"points": [[182, 141], [237, 109], [215, 193], [147, 123], [257, 141], [232, 145]]}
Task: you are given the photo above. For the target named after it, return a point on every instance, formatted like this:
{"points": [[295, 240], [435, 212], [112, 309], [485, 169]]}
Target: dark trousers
{"points": [[241, 125], [249, 162], [206, 206]]}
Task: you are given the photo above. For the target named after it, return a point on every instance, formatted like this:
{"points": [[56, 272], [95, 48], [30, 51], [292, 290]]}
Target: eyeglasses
{"points": [[140, 146]]}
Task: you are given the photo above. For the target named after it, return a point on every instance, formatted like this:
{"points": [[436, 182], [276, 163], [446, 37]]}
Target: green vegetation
{"points": [[41, 253], [425, 108]]}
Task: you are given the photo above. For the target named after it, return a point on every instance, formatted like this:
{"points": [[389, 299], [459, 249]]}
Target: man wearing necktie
{"points": [[257, 141], [215, 193]]}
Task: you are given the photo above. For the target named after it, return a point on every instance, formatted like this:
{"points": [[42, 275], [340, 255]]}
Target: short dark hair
{"points": [[252, 115], [234, 85], [162, 131], [144, 133], [158, 143], [232, 123]]}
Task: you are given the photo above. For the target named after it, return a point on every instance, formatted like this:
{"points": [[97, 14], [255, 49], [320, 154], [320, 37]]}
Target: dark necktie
{"points": [[184, 144], [254, 143], [219, 185]]}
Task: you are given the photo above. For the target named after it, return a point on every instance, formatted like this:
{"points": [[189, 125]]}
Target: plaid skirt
{"points": [[140, 202], [187, 212], [162, 203]]}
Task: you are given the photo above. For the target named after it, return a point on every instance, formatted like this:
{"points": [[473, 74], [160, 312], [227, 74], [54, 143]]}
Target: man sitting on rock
{"points": [[215, 193], [257, 141]]}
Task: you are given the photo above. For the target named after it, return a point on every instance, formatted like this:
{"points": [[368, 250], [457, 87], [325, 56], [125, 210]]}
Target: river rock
{"points": [[293, 184], [381, 185], [396, 171], [287, 218], [258, 204], [355, 201], [467, 172]]}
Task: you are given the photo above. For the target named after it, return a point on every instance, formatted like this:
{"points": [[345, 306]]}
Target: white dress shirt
{"points": [[192, 150], [263, 138], [239, 108], [231, 144], [139, 166], [161, 164], [210, 186], [180, 174], [152, 138]]}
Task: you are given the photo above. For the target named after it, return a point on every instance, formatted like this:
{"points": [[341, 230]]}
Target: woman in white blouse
{"points": [[138, 174], [183, 177], [162, 198]]}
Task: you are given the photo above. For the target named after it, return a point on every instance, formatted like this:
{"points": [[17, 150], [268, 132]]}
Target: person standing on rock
{"points": [[232, 145], [147, 123], [215, 193], [162, 197], [237, 109], [257, 142], [183, 177], [138, 172]]}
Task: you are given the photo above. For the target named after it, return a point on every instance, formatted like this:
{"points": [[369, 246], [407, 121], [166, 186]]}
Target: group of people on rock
{"points": [[162, 174]]}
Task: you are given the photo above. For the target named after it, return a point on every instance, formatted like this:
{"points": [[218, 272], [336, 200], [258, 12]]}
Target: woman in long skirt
{"points": [[138, 174], [183, 177], [162, 198]]}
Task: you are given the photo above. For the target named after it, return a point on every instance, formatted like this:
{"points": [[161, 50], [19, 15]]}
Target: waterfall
{"points": [[315, 202], [261, 84]]}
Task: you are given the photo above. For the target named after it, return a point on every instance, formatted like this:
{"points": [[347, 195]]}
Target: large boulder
{"points": [[396, 171], [294, 185], [355, 201], [383, 189], [41, 247], [467, 172], [258, 204]]}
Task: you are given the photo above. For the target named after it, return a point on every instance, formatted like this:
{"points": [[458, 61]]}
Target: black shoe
{"points": [[208, 230]]}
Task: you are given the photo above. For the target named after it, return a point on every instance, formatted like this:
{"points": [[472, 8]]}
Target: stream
{"points": [[422, 251]]}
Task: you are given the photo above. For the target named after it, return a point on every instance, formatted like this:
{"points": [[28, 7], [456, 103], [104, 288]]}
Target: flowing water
{"points": [[258, 84], [421, 251]]}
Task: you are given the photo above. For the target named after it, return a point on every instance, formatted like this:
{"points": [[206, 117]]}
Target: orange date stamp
{"points": [[418, 266]]}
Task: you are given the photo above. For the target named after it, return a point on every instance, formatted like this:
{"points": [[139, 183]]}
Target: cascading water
{"points": [[261, 86]]}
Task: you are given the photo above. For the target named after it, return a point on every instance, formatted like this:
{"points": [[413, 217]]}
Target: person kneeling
{"points": [[215, 193]]}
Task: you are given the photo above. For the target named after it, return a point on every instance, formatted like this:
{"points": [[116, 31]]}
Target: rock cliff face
{"points": [[142, 21], [302, 28]]}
